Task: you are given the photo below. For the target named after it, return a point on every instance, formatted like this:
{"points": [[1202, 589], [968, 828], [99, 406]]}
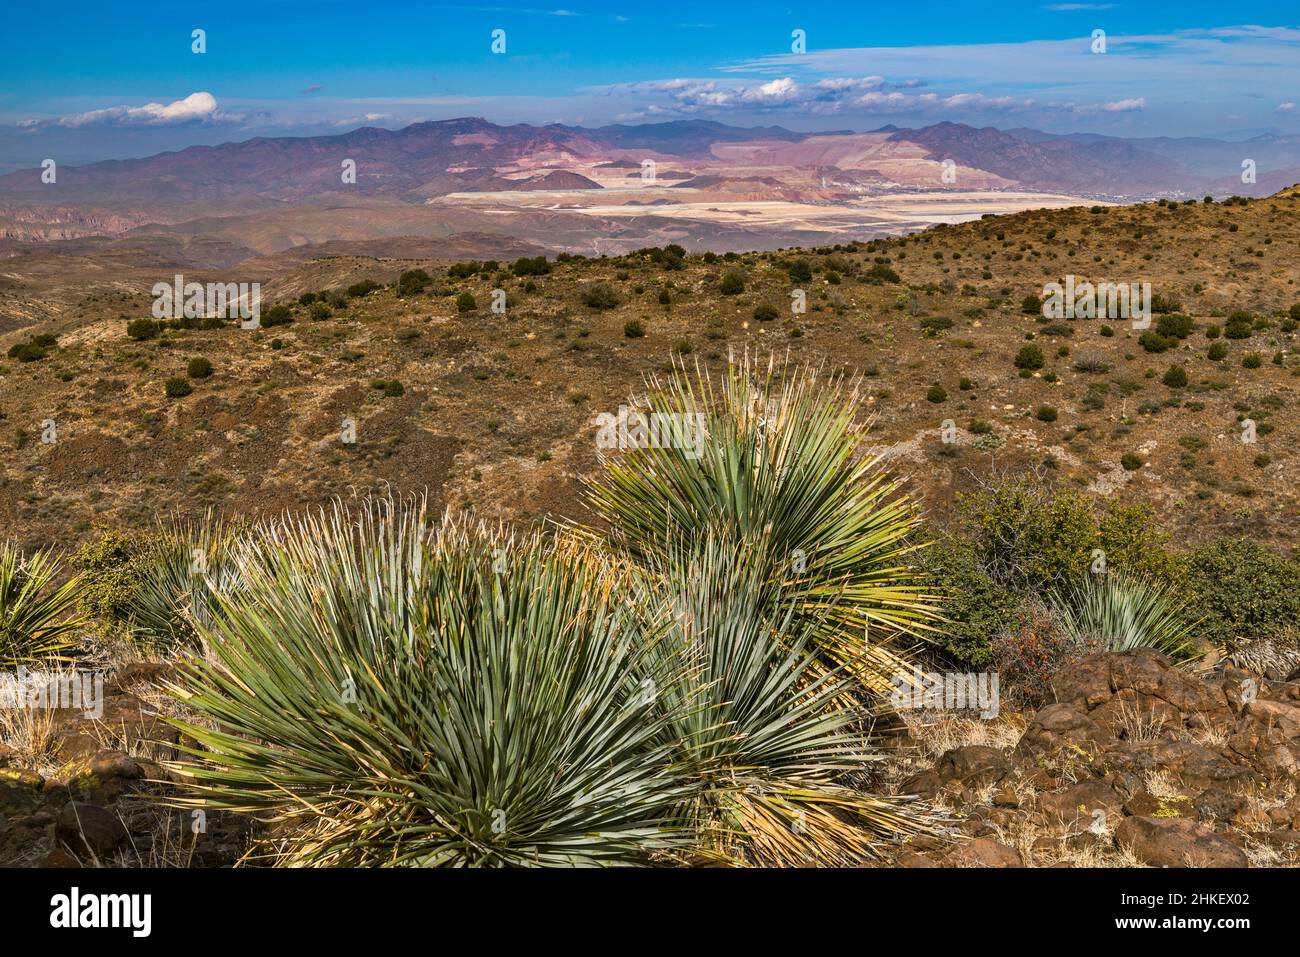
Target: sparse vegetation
{"points": [[177, 387]]}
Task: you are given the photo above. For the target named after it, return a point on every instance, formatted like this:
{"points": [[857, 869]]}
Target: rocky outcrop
{"points": [[88, 811], [1177, 842], [1136, 756]]}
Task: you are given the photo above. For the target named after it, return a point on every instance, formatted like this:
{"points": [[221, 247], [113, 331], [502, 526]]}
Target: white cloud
{"points": [[1286, 107], [782, 89], [195, 108], [1125, 106]]}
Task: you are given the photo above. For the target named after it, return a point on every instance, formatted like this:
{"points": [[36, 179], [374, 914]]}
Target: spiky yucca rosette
{"points": [[694, 683], [774, 459], [1119, 612], [37, 617], [765, 736], [444, 697]]}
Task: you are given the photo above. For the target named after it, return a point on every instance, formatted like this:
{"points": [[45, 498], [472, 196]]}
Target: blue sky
{"points": [[84, 81]]}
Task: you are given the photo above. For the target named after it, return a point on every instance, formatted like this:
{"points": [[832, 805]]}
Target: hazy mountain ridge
{"points": [[438, 157]]}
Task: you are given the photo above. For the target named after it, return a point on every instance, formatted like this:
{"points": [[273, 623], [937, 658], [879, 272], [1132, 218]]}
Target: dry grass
{"points": [[1137, 726], [1263, 855], [30, 731], [938, 732], [1208, 733]]}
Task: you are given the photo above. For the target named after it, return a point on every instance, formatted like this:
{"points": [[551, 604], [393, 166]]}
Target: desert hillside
{"points": [[495, 411]]}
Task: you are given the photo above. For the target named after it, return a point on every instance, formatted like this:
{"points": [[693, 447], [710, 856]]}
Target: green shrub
{"points": [[142, 329], [359, 290], [1029, 358], [413, 282], [466, 302], [1217, 351], [1135, 544], [1027, 537], [1239, 326], [1251, 360], [1130, 462], [976, 609], [1244, 589], [111, 572], [531, 266], [879, 273], [800, 270], [1163, 304], [1046, 413], [937, 394], [1175, 377], [600, 295], [934, 325], [27, 352], [1153, 341], [765, 313], [198, 368], [1033, 539], [1031, 305], [464, 270], [177, 387], [280, 315], [733, 283], [1174, 326], [634, 329]]}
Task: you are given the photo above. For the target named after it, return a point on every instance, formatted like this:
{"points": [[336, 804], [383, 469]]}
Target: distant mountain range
{"points": [[433, 159], [482, 189]]}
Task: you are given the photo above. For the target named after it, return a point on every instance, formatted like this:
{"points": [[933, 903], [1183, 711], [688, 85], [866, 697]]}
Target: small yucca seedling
{"points": [[37, 617], [774, 461], [1119, 612], [459, 700]]}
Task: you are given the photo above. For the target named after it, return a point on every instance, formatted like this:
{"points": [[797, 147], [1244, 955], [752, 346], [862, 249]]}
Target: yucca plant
{"points": [[774, 460], [183, 566], [766, 738], [37, 617], [1119, 612], [458, 698]]}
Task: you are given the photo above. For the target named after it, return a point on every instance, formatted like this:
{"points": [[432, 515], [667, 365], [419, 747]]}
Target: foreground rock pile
{"points": [[92, 808], [1136, 762]]}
